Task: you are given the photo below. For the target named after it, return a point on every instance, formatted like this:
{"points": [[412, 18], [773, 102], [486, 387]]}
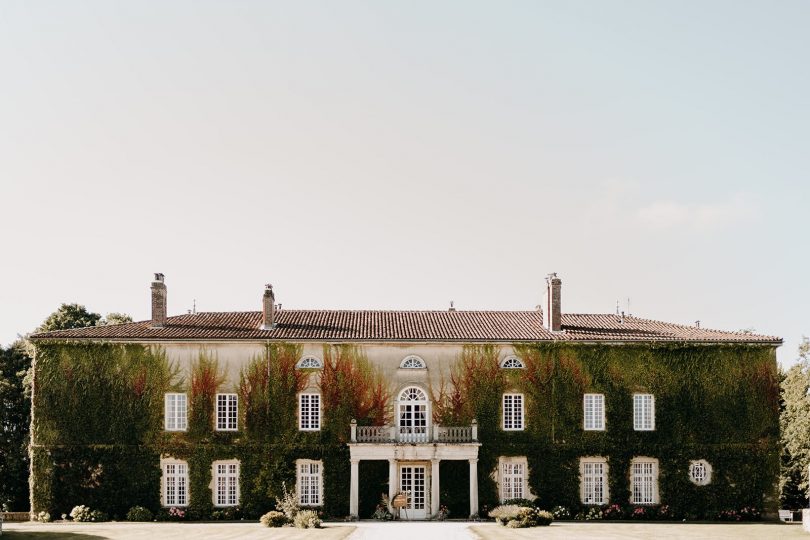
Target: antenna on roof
{"points": [[452, 306], [697, 324], [617, 308], [194, 307], [628, 307]]}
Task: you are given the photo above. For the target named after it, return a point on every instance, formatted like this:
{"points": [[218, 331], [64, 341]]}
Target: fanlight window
{"points": [[512, 362], [412, 394], [412, 362], [310, 362]]}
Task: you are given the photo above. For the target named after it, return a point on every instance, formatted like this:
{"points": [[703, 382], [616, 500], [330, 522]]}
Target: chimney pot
{"points": [[158, 301], [553, 313], [268, 308]]}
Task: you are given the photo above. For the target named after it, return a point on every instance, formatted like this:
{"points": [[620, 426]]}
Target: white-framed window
{"points": [[513, 412], [309, 412], [310, 362], [175, 412], [644, 481], [700, 472], [512, 362], [175, 482], [594, 480], [594, 412], [512, 477], [412, 362], [309, 482], [226, 483], [227, 412], [643, 412]]}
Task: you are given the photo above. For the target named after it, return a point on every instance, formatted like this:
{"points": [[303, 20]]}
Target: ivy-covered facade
{"points": [[216, 414]]}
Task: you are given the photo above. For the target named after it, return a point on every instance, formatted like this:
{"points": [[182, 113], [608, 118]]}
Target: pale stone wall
{"points": [[233, 357]]}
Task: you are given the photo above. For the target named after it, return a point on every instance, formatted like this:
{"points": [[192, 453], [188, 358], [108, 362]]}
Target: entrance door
{"points": [[412, 481]]}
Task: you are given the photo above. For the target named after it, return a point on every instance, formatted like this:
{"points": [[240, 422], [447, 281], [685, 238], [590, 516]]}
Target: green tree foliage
{"points": [[795, 424], [15, 411], [114, 318], [69, 316]]}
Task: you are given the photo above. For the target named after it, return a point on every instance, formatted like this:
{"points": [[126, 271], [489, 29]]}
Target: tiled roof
{"points": [[457, 326]]}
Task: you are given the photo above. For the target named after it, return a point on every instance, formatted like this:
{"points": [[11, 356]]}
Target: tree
{"points": [[795, 426], [69, 316], [15, 416], [115, 318]]}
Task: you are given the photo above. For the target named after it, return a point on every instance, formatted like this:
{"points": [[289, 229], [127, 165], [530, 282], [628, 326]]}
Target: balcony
{"points": [[409, 435]]}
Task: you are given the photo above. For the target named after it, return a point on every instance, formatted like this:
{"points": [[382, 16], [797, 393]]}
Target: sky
{"points": [[402, 155]]}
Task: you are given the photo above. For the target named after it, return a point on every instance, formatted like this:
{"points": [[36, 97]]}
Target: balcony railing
{"points": [[418, 435]]}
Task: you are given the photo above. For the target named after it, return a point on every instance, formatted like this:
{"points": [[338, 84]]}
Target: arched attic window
{"points": [[512, 362], [412, 362], [309, 362]]}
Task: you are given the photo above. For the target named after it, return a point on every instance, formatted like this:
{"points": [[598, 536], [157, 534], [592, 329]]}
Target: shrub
{"points": [[274, 519], [561, 512], [307, 519], [98, 515], [519, 502], [614, 511], [80, 513], [139, 513], [229, 513], [519, 517], [43, 516], [381, 513], [288, 503]]}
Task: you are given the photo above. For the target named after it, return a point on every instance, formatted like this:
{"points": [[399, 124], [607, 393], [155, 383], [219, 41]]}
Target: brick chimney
{"points": [[268, 308], [553, 315], [158, 302]]}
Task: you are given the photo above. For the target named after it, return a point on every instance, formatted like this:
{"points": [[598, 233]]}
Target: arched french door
{"points": [[413, 416]]}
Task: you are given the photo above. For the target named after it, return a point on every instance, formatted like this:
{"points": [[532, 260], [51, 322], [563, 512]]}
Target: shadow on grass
{"points": [[35, 535]]}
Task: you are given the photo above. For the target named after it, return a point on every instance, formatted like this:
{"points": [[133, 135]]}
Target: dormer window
{"points": [[412, 362], [512, 362], [310, 362]]}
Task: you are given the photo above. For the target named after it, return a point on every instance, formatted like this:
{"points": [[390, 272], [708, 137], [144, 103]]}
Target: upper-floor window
{"points": [[310, 482], [594, 412], [310, 362], [593, 472], [175, 412], [227, 413], [644, 481], [412, 362], [513, 412], [226, 483], [643, 412], [512, 362], [412, 415], [175, 483], [512, 477], [309, 412]]}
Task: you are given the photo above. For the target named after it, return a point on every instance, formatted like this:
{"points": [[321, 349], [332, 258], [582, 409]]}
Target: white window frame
{"points": [[310, 362], [512, 362], [174, 483], [593, 412], [700, 480], [309, 411], [513, 415], [644, 481], [412, 362], [513, 475], [309, 475], [643, 412], [593, 472], [225, 483], [175, 411], [227, 413]]}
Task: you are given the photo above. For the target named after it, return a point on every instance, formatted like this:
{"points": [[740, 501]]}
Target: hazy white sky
{"points": [[402, 155]]}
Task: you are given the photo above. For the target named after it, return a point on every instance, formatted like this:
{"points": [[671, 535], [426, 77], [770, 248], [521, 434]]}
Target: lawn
{"points": [[167, 531], [657, 531]]}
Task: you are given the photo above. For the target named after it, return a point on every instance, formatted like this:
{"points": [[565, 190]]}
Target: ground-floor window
{"points": [[512, 477], [175, 483], [310, 482], [593, 472], [644, 480], [226, 483]]}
